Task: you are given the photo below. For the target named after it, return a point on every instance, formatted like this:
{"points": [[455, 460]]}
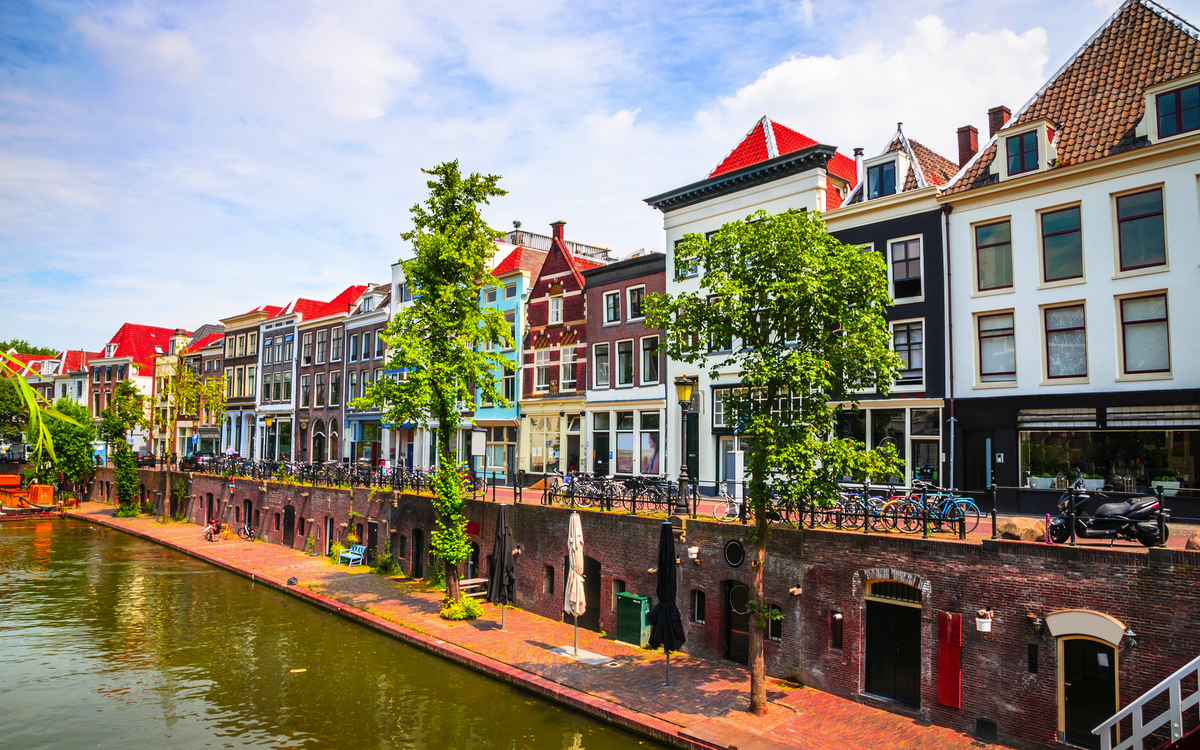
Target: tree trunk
{"points": [[452, 592], [758, 677]]}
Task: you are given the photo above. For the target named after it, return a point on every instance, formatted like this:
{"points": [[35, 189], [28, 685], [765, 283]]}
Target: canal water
{"points": [[107, 641]]}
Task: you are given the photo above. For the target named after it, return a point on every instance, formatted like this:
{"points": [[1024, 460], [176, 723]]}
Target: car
{"points": [[145, 457], [198, 461]]}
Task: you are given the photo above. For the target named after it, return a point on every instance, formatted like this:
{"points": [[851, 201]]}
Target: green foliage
{"points": [[13, 414], [125, 476], [29, 409], [335, 551], [187, 395], [72, 441], [24, 347], [130, 409], [445, 340], [465, 608], [384, 564], [127, 511]]}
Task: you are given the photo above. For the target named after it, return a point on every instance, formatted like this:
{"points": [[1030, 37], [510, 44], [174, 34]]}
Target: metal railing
{"points": [[1142, 729]]}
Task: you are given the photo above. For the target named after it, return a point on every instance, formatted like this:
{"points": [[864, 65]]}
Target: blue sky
{"points": [[173, 163]]}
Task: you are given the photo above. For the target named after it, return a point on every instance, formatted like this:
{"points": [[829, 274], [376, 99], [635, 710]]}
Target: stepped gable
{"points": [[1096, 97]]}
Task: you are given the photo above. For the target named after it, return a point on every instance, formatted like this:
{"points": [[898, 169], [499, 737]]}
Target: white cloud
{"points": [[143, 51]]}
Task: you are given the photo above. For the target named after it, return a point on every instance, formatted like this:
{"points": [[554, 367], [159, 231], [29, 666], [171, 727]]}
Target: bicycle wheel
{"points": [[725, 511], [890, 514], [970, 513], [243, 534], [852, 514], [909, 515]]}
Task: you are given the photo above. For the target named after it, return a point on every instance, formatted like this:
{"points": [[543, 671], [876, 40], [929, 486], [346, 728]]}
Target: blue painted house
{"points": [[511, 282]]}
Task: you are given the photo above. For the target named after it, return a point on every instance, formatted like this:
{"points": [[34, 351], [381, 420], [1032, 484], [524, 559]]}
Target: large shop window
{"points": [[651, 456], [993, 256], [1066, 342], [1140, 231], [625, 442], [915, 432], [997, 348], [544, 444], [1146, 345], [906, 269], [1128, 460], [1062, 245]]}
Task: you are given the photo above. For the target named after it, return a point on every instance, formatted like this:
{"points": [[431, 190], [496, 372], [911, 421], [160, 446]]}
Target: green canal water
{"points": [[107, 641]]}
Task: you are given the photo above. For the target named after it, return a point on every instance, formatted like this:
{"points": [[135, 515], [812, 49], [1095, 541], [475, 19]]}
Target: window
{"points": [[250, 380], [319, 387], [906, 269], [510, 385], [993, 256], [352, 387], [229, 347], [1140, 232], [252, 344], [697, 611], [612, 307], [637, 296], [510, 317], [650, 359], [366, 350], [1066, 342], [556, 310], [881, 180], [279, 349], [600, 352], [353, 349], [241, 385], [624, 363], [241, 347], [835, 628], [569, 369], [288, 341], [1144, 336], [287, 386], [1022, 152], [321, 335], [403, 293], [335, 388], [277, 389], [489, 295], [1062, 245], [304, 392], [684, 269], [624, 442], [510, 291], [267, 351], [908, 342], [997, 348], [651, 455], [335, 338], [228, 382], [541, 366], [379, 345], [548, 579], [1178, 111], [306, 349], [266, 393], [775, 628]]}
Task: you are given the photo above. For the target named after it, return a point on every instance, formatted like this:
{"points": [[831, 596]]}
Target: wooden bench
{"points": [[473, 587], [354, 556]]}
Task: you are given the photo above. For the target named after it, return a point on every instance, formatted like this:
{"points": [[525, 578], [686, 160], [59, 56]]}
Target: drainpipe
{"points": [[946, 209]]}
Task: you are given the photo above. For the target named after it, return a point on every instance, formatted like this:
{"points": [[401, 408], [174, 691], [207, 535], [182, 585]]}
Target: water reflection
{"points": [[107, 641]]}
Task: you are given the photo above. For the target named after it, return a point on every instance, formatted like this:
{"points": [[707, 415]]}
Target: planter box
{"points": [[1041, 483], [1093, 484], [982, 625]]}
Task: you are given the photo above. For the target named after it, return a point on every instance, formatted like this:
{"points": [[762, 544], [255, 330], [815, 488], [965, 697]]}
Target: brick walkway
{"points": [[707, 699]]}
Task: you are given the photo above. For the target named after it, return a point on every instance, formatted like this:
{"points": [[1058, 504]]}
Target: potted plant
{"points": [[1093, 482], [1042, 481], [983, 620], [1167, 482]]}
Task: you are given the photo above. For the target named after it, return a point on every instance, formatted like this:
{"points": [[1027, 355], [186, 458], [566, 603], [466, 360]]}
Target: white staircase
{"points": [[1174, 715]]}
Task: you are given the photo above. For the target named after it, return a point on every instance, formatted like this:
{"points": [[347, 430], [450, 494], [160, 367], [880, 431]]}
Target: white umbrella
{"points": [[574, 603]]}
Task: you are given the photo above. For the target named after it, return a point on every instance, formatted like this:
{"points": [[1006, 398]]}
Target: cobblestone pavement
{"points": [[707, 699]]}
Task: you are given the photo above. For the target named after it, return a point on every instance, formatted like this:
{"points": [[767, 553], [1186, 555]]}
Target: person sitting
{"points": [[210, 531]]}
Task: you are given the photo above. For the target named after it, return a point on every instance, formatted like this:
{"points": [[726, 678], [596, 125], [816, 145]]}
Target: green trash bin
{"points": [[631, 619]]}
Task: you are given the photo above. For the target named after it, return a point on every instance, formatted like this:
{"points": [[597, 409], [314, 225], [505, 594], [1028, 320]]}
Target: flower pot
{"points": [[1165, 485], [1041, 483], [983, 625]]}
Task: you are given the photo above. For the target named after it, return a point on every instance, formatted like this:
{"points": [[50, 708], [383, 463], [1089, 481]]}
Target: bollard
{"points": [[1162, 524], [837, 517], [866, 509], [962, 527], [995, 531], [1071, 515], [924, 517]]}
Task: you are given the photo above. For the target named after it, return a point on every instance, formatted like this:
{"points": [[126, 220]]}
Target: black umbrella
{"points": [[502, 575], [666, 626]]}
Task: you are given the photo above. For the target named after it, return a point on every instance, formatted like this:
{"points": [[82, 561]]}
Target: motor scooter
{"points": [[1140, 519]]}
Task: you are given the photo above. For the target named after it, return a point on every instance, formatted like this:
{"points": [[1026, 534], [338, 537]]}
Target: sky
{"points": [[173, 163]]}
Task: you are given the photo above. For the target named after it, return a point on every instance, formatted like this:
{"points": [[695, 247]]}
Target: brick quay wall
{"points": [[810, 575]]}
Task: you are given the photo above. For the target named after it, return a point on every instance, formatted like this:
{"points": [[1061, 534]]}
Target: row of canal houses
{"points": [[1042, 280]]}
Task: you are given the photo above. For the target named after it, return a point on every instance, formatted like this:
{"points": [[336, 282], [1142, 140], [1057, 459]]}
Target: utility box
{"points": [[631, 619], [41, 494]]}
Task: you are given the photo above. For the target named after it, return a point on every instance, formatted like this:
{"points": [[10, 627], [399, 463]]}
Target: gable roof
{"points": [[768, 139], [208, 340], [138, 342], [926, 167], [521, 259], [340, 305], [75, 360], [307, 308], [1096, 97]]}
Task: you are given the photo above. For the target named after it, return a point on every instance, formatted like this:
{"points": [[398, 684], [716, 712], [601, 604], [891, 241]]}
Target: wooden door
{"points": [[289, 525], [590, 619], [372, 541], [418, 553], [737, 622], [1089, 690], [893, 668]]}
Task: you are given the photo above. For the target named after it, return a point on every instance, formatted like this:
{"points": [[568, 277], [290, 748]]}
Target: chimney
{"points": [[858, 156], [968, 144], [556, 228], [997, 117]]}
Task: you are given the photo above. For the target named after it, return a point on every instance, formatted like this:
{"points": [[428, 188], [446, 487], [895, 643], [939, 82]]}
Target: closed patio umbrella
{"points": [[666, 626], [502, 574], [574, 603]]}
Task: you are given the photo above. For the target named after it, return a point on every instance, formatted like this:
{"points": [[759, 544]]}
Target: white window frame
{"points": [[555, 314], [629, 316], [642, 354], [541, 364], [562, 368], [920, 238], [633, 354], [608, 295], [596, 364]]}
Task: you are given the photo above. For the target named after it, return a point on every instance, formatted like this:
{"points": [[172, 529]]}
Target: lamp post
{"points": [[683, 389]]}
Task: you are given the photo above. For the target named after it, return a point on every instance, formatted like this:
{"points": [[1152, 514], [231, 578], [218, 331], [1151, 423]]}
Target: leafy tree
{"points": [[73, 450], [126, 478], [443, 339], [803, 315], [130, 409], [32, 410], [24, 347], [188, 395]]}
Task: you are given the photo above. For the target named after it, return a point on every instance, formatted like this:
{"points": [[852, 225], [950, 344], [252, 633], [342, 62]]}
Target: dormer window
{"points": [[881, 180], [110, 350], [1178, 111], [1022, 152]]}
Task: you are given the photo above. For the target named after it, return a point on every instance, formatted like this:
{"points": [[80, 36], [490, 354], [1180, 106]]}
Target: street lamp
{"points": [[683, 389]]}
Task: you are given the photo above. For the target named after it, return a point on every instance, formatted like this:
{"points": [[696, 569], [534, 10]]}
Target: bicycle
{"points": [[727, 509], [944, 508], [245, 531]]}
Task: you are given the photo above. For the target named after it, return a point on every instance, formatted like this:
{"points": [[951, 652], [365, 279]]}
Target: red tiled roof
{"points": [[751, 150], [340, 305], [522, 258], [584, 264], [138, 342], [1096, 98], [208, 340], [76, 360], [270, 310], [308, 308]]}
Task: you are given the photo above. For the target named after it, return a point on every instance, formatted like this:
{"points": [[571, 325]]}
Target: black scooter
{"points": [[1140, 519]]}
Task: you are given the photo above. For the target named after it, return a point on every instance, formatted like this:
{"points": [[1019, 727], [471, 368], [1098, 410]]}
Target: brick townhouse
{"points": [[319, 368]]}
